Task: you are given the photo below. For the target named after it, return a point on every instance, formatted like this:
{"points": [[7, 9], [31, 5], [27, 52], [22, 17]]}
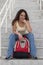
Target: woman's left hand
{"points": [[24, 21], [28, 26]]}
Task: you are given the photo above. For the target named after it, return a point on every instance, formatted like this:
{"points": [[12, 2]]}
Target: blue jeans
{"points": [[12, 39]]}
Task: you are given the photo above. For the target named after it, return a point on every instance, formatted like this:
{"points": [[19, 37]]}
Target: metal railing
{"points": [[8, 6], [40, 3]]}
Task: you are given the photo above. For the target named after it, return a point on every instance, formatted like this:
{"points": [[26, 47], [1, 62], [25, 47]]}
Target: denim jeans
{"points": [[13, 38]]}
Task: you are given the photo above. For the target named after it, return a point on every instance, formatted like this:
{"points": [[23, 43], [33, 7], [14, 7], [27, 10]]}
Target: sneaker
{"points": [[9, 57], [35, 58]]}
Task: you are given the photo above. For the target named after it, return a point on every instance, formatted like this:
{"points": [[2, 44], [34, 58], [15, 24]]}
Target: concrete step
{"points": [[33, 7], [33, 21], [28, 1], [37, 27], [3, 52], [19, 3], [28, 4], [21, 62]]}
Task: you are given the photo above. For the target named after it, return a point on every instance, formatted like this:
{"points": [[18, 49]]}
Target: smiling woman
{"points": [[21, 27]]}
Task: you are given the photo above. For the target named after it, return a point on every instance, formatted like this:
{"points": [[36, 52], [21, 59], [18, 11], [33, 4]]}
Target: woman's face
{"points": [[22, 16]]}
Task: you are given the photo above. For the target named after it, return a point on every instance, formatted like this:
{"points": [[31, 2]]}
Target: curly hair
{"points": [[18, 15]]}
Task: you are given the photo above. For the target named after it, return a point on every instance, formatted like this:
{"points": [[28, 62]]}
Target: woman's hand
{"points": [[20, 36], [28, 26], [24, 21]]}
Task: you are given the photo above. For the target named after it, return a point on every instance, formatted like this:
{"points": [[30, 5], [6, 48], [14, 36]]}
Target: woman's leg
{"points": [[12, 38], [30, 37]]}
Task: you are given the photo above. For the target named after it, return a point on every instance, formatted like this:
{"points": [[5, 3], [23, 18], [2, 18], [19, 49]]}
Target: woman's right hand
{"points": [[20, 36]]}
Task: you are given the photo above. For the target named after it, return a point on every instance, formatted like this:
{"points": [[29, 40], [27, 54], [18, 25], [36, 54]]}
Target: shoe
{"points": [[9, 57], [35, 58]]}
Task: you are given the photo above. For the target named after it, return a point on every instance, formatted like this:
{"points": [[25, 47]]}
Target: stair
{"points": [[36, 20], [23, 62]]}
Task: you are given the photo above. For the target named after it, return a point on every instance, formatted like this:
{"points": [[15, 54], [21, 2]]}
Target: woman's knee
{"points": [[12, 35], [31, 35]]}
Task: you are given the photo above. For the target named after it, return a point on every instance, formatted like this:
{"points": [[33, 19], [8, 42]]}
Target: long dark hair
{"points": [[18, 15]]}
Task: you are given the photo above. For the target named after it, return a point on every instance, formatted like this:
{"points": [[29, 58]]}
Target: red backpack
{"points": [[19, 48]]}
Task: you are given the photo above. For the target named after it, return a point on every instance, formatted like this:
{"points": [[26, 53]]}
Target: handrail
{"points": [[0, 42], [8, 8], [2, 22], [5, 13], [3, 7], [40, 3]]}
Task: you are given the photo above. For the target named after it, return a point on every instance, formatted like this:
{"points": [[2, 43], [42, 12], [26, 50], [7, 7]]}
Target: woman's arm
{"points": [[28, 26], [14, 30]]}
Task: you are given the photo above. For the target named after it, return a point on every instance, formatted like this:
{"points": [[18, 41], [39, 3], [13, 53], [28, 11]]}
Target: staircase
{"points": [[36, 20]]}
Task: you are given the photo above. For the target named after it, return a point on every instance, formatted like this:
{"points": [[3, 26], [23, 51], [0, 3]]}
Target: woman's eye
{"points": [[21, 15]]}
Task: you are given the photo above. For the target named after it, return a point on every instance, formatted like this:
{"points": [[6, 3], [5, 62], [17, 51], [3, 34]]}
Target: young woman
{"points": [[21, 26]]}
